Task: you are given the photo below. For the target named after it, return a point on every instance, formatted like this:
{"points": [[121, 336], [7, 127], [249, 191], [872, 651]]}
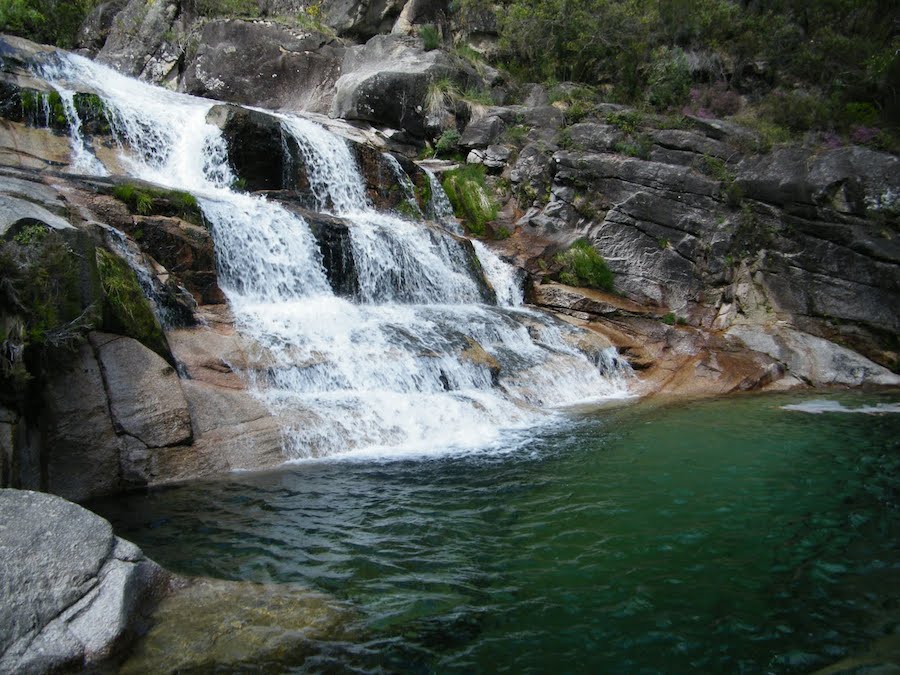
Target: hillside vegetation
{"points": [[831, 65]]}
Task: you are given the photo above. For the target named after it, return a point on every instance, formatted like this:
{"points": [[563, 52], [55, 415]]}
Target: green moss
{"points": [[472, 200], [407, 209], [147, 201], [671, 319], [423, 190], [93, 113], [581, 265], [126, 309], [227, 7], [638, 146], [41, 304], [516, 135]]}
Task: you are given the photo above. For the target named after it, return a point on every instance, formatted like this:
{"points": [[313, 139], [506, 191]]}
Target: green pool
{"points": [[729, 535]]}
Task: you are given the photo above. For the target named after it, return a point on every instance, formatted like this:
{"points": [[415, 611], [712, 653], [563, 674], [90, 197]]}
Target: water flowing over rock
{"points": [[348, 328]]}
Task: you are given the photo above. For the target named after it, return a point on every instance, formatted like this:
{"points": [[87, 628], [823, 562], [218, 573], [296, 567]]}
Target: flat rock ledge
{"points": [[74, 594]]}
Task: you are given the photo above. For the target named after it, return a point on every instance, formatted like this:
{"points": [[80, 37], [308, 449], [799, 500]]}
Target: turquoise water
{"points": [[728, 535]]}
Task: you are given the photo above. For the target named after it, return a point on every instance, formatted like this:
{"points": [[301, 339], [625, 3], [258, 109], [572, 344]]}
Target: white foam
{"points": [[819, 407]]}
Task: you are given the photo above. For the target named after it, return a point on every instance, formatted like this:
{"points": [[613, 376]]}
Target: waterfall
{"points": [[433, 352], [439, 208], [503, 277]]}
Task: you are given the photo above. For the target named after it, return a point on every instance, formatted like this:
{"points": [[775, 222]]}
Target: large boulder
{"points": [[74, 594], [232, 626], [262, 155], [98, 25], [852, 180], [812, 359], [386, 82], [143, 41], [265, 64]]}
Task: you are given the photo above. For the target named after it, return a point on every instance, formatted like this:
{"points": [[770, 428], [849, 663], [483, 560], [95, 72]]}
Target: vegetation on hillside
{"points": [[53, 22], [829, 65]]}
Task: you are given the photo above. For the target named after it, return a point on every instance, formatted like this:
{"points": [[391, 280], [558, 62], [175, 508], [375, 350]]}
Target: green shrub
{"points": [[669, 79], [431, 37], [516, 135], [797, 111], [638, 146], [628, 121], [54, 22], [471, 197], [581, 265], [442, 93], [31, 234], [447, 143]]}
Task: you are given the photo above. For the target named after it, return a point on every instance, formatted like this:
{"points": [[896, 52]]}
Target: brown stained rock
{"points": [[682, 360], [145, 395], [562, 298], [478, 356], [29, 148], [226, 625], [211, 356], [252, 445], [184, 249], [213, 406]]}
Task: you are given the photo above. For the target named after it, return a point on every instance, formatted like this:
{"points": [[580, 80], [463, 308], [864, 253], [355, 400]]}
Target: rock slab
{"points": [[73, 593]]}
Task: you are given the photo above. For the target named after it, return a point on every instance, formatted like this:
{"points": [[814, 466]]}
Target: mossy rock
{"points": [[125, 309], [47, 300], [150, 201]]}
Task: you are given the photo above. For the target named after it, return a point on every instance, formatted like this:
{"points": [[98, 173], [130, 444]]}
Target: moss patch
{"points": [[472, 200], [147, 201], [582, 266], [126, 309], [41, 304]]}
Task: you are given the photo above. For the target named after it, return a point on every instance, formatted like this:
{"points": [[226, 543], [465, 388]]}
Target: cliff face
{"points": [[735, 266]]}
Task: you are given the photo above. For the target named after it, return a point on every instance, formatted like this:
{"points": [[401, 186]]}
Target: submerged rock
{"points": [[74, 594], [214, 625]]}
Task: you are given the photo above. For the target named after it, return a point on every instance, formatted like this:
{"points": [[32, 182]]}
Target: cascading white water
{"points": [[503, 276], [439, 208], [418, 360]]}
